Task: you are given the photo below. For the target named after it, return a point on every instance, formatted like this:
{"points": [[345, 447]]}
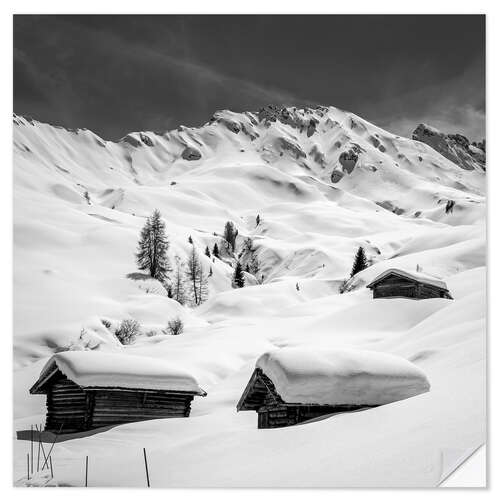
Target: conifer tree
{"points": [[230, 233], [359, 262], [210, 272], [196, 279], [207, 251], [153, 246], [215, 251], [257, 220], [238, 276], [190, 239]]}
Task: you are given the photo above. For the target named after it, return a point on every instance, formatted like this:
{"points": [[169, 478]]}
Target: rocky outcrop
{"points": [[455, 147], [191, 154], [348, 160]]}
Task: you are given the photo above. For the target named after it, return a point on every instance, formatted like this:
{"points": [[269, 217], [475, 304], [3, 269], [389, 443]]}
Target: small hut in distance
{"points": [[87, 390], [415, 285], [294, 385]]}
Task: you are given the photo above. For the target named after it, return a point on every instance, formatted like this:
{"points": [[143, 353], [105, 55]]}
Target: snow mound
{"points": [[342, 376], [98, 369]]}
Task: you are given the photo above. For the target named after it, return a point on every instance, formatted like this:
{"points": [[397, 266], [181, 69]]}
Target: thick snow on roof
{"points": [[423, 278], [342, 376], [98, 369]]}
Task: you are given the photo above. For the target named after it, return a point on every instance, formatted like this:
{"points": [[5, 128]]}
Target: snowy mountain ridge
{"points": [[323, 182]]}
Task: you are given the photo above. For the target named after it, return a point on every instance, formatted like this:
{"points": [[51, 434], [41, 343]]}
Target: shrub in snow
{"points": [[175, 326], [106, 323], [127, 331]]}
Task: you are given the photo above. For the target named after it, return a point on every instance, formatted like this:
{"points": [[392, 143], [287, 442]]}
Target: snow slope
{"points": [[324, 182]]}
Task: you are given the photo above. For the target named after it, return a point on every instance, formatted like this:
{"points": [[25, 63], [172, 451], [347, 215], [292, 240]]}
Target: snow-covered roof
{"points": [[99, 369], [414, 276], [341, 376]]}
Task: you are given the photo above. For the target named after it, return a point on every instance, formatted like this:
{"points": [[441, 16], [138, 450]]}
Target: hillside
{"points": [[324, 182]]}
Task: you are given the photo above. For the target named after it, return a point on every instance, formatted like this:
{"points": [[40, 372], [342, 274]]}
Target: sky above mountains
{"points": [[115, 74]]}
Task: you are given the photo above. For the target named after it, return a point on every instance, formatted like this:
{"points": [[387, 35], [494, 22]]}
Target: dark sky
{"points": [[115, 74]]}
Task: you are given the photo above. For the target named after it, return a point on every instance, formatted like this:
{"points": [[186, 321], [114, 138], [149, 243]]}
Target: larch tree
{"points": [[152, 253], [230, 233], [197, 283], [178, 288], [359, 262], [238, 276]]}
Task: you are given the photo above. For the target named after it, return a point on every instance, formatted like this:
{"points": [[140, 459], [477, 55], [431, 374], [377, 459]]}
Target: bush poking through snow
{"points": [[106, 323], [175, 326], [127, 331]]}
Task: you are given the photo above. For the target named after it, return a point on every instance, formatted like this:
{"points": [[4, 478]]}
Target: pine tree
{"points": [[207, 251], [153, 247], [178, 288], [190, 239], [359, 262], [215, 251], [210, 273], [196, 279], [238, 276], [230, 233], [257, 220]]}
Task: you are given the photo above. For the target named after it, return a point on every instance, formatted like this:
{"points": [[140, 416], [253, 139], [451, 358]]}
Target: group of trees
{"points": [[187, 282]]}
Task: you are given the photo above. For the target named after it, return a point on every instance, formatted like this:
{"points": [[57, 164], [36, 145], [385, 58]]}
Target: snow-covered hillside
{"points": [[324, 182]]}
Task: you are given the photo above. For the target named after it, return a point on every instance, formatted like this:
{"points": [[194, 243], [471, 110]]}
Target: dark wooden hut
{"points": [[399, 283], [87, 390], [260, 395]]}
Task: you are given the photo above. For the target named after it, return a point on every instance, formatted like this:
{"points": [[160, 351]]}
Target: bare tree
{"points": [[177, 287], [196, 279]]}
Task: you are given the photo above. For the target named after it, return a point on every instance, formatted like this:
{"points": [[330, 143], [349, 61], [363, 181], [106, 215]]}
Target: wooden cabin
{"points": [[87, 390], [399, 283], [260, 395]]}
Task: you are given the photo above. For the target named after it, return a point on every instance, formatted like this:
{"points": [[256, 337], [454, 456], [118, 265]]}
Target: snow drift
{"points": [[342, 376], [98, 369]]}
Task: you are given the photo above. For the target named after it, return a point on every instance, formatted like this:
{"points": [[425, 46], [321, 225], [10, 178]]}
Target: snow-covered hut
{"points": [[293, 385], [86, 390], [415, 285]]}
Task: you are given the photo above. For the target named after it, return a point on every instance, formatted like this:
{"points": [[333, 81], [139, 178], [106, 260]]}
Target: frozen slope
{"points": [[296, 169]]}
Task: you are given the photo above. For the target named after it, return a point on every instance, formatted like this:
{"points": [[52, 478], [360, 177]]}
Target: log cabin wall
{"points": [[122, 406], [271, 417], [73, 409], [400, 287]]}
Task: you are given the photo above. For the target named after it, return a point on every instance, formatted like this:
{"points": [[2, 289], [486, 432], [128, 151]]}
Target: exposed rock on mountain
{"points": [[191, 154], [456, 147]]}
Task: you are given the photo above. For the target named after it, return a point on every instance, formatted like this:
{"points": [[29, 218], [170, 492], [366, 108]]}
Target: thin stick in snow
{"points": [[51, 469], [52, 447], [41, 445], [146, 464], [86, 470], [31, 447], [38, 454], [28, 457]]}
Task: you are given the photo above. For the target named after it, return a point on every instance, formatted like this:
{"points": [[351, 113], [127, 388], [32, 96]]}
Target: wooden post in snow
{"points": [[28, 457], [51, 469], [86, 470], [146, 464]]}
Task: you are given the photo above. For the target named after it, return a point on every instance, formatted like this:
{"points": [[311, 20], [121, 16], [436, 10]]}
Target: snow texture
{"points": [[97, 369], [74, 266], [342, 376]]}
